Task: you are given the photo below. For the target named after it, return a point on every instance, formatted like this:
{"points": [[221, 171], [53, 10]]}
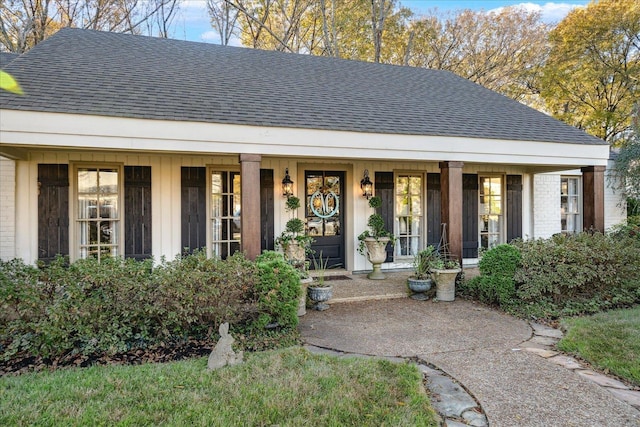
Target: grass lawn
{"points": [[608, 340], [290, 387]]}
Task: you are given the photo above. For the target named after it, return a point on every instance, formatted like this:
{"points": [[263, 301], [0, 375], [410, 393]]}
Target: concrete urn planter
{"points": [[419, 287], [377, 254], [302, 301], [445, 283], [294, 253], [320, 295]]}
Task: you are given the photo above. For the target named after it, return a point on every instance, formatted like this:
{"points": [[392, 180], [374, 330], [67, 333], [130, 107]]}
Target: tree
{"points": [[25, 23], [592, 76], [224, 18], [353, 29], [502, 51], [626, 169]]}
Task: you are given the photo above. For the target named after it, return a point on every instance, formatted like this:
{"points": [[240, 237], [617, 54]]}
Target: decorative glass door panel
{"points": [[324, 211]]}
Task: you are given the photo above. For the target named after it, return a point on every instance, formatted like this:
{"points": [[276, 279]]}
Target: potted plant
{"points": [[444, 273], [293, 241], [295, 245], [423, 264], [375, 240], [319, 290]]}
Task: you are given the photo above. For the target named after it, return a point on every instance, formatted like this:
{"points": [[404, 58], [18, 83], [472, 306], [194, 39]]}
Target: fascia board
{"points": [[24, 128]]}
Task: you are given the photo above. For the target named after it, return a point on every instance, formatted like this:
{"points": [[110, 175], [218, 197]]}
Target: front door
{"points": [[324, 211]]}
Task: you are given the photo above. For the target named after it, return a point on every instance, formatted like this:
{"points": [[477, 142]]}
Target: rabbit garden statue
{"points": [[222, 354]]}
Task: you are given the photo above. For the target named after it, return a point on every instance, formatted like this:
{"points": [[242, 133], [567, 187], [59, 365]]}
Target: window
{"points": [[490, 211], [225, 213], [570, 204], [98, 211], [408, 214]]}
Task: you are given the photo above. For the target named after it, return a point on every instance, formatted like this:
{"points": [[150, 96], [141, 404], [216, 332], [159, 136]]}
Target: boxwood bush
{"points": [[496, 283], [116, 305]]}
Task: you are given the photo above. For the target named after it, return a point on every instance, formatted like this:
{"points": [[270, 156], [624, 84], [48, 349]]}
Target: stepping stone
{"points": [[545, 331], [475, 419], [541, 352], [602, 380], [632, 397], [566, 361], [548, 341], [448, 398], [453, 423], [430, 372]]}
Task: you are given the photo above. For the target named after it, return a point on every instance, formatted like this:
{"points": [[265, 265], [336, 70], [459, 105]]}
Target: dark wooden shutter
{"points": [[514, 207], [469, 215], [53, 211], [194, 208], [137, 214], [266, 209], [433, 209], [384, 190]]}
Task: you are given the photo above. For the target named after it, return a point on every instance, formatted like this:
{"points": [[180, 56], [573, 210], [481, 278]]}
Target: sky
{"points": [[192, 22]]}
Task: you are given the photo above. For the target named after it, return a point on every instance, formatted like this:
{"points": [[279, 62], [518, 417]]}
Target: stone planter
{"points": [[419, 287], [377, 254], [294, 253], [445, 283], [320, 296], [302, 301]]}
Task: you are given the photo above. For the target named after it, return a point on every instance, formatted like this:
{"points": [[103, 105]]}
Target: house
{"points": [[139, 146]]}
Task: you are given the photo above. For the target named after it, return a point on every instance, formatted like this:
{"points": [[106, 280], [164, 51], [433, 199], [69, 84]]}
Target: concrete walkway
{"points": [[478, 347]]}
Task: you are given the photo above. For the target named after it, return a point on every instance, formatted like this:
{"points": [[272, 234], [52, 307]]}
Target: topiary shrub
{"points": [[496, 283], [278, 289]]}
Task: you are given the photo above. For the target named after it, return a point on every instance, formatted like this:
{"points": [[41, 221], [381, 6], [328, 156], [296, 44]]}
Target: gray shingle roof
{"points": [[6, 58], [98, 73]]}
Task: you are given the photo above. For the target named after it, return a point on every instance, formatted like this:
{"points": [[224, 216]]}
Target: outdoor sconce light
{"points": [[287, 184], [366, 185]]}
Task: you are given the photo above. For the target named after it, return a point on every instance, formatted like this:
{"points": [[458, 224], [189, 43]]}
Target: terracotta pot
{"points": [[377, 254]]}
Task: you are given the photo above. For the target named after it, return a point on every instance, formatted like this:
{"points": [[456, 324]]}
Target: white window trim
{"points": [[423, 217], [74, 244], [210, 169], [503, 215], [579, 216]]}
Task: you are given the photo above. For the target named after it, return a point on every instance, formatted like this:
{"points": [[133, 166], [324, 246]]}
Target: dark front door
{"points": [[325, 215]]}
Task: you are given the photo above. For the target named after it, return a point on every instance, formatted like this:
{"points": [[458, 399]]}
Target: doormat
{"points": [[329, 278]]}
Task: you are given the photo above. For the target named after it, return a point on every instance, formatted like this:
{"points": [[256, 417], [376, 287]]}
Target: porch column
{"points": [[593, 197], [451, 205], [250, 200]]}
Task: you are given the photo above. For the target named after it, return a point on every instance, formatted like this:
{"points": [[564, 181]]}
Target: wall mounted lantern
{"points": [[287, 184], [366, 185]]}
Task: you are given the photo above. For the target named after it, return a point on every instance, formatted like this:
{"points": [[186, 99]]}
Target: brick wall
{"points": [[7, 208], [546, 205]]}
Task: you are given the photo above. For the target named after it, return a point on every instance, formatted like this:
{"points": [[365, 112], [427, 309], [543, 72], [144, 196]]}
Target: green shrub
{"points": [[112, 306], [578, 266], [576, 274], [278, 289], [496, 283]]}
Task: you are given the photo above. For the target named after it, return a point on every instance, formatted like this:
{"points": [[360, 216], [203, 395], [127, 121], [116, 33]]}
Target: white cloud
{"points": [[550, 12]]}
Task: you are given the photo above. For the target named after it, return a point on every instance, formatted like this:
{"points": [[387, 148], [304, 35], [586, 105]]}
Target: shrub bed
{"points": [[94, 309], [564, 275]]}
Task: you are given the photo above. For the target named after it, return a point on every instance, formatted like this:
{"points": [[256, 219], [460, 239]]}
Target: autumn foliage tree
{"points": [[25, 23], [591, 78]]}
